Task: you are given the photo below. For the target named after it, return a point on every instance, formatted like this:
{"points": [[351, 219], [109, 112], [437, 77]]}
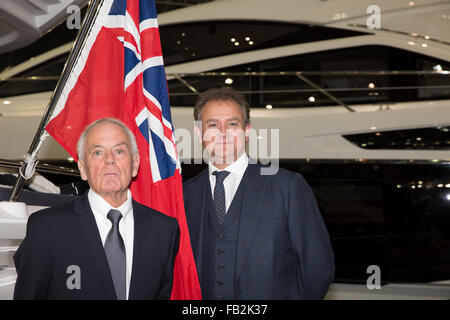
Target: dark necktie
{"points": [[115, 252], [219, 195]]}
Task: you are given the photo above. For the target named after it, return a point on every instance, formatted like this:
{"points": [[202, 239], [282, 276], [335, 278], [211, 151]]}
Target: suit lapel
{"points": [[251, 206], [198, 214], [88, 228], [140, 229]]}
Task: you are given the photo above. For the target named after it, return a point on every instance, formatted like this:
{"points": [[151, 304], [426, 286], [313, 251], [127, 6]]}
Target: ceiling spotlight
{"points": [[311, 99], [236, 43], [371, 85], [233, 39], [250, 43], [6, 102], [269, 107], [424, 45], [228, 81], [247, 38]]}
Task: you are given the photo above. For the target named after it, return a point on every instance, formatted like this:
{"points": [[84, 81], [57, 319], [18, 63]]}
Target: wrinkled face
{"points": [[108, 163], [223, 131]]}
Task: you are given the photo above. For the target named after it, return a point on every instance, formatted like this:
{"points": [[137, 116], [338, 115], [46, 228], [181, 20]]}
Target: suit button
{"points": [[220, 251], [220, 267], [221, 236], [220, 283]]}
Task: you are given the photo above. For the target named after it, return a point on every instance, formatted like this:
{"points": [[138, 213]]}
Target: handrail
{"points": [[41, 167]]}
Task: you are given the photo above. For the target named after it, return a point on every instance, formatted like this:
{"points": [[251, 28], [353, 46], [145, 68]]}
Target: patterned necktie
{"points": [[219, 195], [115, 252]]}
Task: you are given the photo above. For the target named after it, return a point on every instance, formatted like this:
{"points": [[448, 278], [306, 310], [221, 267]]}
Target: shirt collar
{"points": [[238, 167], [99, 204]]}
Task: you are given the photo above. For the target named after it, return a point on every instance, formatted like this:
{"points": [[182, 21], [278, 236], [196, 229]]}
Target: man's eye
{"points": [[120, 151], [234, 124], [212, 125], [97, 153]]}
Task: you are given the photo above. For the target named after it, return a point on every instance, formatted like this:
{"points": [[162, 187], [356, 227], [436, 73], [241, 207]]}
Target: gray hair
{"points": [[125, 129]]}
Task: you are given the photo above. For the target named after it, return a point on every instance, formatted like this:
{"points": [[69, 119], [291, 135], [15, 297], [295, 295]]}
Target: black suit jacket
{"points": [[283, 248], [67, 235]]}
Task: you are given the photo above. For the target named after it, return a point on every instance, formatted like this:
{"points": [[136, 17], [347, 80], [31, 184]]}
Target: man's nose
{"points": [[109, 157]]}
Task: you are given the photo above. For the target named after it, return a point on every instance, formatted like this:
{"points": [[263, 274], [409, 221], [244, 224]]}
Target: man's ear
{"points": [[136, 163], [82, 168]]}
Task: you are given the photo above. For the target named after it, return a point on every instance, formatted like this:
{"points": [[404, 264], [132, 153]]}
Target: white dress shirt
{"points": [[232, 181], [100, 208]]}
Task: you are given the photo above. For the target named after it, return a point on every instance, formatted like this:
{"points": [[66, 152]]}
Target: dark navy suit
{"points": [[67, 235], [283, 249]]}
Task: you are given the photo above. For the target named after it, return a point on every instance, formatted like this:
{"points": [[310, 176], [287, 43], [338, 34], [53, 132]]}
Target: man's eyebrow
{"points": [[230, 119], [121, 143], [114, 146], [96, 146]]}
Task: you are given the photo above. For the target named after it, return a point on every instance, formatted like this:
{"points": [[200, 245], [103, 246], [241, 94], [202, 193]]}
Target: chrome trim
{"points": [[41, 167]]}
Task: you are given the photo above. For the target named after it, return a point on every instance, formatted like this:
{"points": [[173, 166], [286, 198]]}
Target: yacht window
{"points": [[359, 75], [199, 40], [43, 77], [436, 138]]}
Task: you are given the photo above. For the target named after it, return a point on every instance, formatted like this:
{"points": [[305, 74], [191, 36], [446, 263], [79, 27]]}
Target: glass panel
{"points": [[43, 77], [437, 138], [199, 40], [361, 75]]}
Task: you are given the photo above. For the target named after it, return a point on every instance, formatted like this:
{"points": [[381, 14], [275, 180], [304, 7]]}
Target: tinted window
{"points": [[437, 138], [199, 40], [333, 71], [43, 77]]}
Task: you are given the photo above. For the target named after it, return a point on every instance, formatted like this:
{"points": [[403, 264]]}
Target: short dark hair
{"points": [[222, 94]]}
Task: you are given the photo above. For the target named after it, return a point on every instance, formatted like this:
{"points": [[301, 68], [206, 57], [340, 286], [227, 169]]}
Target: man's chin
{"points": [[223, 160]]}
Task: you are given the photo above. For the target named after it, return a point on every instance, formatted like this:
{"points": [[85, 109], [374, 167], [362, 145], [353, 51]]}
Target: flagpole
{"points": [[82, 34]]}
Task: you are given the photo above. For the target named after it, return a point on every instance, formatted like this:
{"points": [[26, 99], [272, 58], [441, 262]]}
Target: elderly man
{"points": [[103, 245], [253, 236]]}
